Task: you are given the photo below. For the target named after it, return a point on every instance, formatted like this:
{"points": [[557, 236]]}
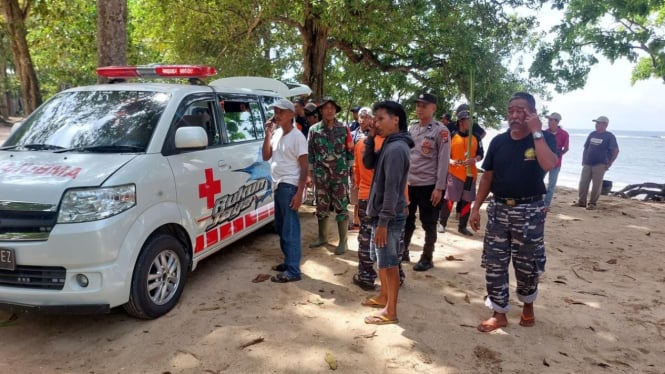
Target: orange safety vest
{"points": [[458, 151]]}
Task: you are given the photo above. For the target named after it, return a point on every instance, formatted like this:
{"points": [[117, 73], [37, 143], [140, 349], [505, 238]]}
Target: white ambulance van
{"points": [[110, 194]]}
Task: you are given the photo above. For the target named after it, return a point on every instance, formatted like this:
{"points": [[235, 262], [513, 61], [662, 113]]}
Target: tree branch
{"points": [[369, 58]]}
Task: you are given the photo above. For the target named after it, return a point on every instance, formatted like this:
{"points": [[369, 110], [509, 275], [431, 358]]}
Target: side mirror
{"points": [[191, 137]]}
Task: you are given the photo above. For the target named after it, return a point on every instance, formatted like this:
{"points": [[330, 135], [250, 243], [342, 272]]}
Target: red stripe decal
{"points": [[225, 231], [238, 224], [212, 237], [264, 214], [250, 218], [200, 244]]}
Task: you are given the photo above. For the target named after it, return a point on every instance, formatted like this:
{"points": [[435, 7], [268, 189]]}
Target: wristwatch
{"points": [[538, 135]]}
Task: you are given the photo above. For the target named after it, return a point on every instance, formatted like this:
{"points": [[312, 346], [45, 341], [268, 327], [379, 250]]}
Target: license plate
{"points": [[7, 260]]}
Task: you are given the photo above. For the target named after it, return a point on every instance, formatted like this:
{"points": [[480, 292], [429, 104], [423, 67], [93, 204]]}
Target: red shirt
{"points": [[562, 138]]}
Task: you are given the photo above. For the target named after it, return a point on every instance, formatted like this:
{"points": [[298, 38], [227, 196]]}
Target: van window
{"points": [[267, 102], [201, 113], [93, 119], [243, 120]]}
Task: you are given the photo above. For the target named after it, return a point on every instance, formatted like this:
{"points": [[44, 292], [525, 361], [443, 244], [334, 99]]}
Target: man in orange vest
{"points": [[460, 159]]}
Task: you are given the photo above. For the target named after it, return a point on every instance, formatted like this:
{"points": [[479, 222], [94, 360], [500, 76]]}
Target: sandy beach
{"points": [[601, 309]]}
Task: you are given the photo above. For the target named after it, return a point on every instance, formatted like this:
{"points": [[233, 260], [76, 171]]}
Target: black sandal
{"points": [[280, 267], [283, 278]]}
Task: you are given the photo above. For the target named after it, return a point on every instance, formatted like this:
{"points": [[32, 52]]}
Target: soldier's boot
{"points": [[323, 234], [463, 220], [342, 229]]}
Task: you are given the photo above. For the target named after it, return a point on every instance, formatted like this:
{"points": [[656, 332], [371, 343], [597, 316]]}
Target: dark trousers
{"points": [[419, 200]]}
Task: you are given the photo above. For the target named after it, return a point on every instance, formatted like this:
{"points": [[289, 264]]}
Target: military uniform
{"points": [[330, 154], [516, 220], [330, 158]]}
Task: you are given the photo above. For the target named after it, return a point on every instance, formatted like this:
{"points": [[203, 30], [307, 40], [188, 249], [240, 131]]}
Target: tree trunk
{"points": [[315, 50], [111, 33], [15, 18], [4, 85]]}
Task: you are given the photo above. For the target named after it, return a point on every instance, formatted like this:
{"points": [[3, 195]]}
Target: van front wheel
{"points": [[159, 278]]}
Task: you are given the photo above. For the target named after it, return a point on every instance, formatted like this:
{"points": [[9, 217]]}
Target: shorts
{"points": [[388, 256], [455, 190]]}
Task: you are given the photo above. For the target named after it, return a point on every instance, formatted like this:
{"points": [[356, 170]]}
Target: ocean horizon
{"points": [[641, 157]]}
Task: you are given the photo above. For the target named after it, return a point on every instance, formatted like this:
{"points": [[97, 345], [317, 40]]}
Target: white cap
{"points": [[602, 119], [283, 104], [365, 111]]}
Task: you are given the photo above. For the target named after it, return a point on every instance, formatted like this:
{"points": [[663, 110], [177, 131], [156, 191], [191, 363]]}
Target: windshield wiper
{"points": [[109, 148], [39, 147]]}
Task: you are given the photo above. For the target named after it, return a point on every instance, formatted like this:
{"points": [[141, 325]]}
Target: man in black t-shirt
{"points": [[515, 164]]}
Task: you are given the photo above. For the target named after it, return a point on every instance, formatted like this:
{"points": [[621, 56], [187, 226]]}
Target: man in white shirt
{"points": [[287, 151]]}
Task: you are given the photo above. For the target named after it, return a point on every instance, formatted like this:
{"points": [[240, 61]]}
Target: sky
{"points": [[608, 92]]}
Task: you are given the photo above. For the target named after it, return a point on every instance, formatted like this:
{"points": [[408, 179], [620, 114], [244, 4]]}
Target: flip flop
{"points": [[490, 325], [372, 303], [380, 320], [527, 321]]}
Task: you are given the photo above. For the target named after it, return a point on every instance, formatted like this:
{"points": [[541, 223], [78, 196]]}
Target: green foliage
{"points": [[61, 37], [614, 28], [377, 49]]}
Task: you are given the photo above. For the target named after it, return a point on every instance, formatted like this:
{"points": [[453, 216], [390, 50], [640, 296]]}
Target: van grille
{"points": [[40, 277], [26, 221]]}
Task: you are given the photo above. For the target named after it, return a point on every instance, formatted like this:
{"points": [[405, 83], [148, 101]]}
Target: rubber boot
{"points": [[342, 229], [323, 234]]}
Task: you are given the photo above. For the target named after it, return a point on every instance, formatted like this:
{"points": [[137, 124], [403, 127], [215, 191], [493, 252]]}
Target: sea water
{"points": [[641, 158]]}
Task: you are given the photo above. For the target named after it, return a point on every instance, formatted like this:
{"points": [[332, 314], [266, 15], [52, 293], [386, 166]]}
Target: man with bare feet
{"points": [[515, 165], [387, 204]]}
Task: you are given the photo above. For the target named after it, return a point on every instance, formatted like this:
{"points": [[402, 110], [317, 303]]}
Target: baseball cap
{"points": [[283, 104], [446, 116], [427, 98], [602, 119], [310, 109], [462, 114], [555, 116], [365, 111], [299, 101], [462, 107], [355, 109], [327, 100]]}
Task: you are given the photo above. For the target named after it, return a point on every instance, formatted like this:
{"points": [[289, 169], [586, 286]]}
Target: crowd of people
{"points": [[393, 173]]}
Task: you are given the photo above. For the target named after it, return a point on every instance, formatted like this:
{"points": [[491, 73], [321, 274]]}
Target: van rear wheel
{"points": [[159, 277]]}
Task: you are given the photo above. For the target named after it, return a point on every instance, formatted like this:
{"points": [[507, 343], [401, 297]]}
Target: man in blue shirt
{"points": [[600, 151]]}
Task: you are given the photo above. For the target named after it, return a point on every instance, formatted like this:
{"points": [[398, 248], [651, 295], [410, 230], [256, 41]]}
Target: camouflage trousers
{"points": [[366, 271], [332, 196], [515, 233]]}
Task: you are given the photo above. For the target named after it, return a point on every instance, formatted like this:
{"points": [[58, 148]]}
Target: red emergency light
{"points": [[157, 71]]}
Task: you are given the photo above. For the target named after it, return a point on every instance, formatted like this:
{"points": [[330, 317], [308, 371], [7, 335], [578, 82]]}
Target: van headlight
{"points": [[92, 204]]}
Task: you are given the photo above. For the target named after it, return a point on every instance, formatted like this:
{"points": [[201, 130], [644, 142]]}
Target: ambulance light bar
{"points": [[156, 71]]}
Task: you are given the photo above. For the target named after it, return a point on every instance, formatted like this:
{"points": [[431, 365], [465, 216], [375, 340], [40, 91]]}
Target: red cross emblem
{"points": [[210, 188]]}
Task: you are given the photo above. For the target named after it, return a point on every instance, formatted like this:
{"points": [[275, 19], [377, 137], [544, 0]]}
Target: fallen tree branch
{"points": [[577, 275], [254, 341]]}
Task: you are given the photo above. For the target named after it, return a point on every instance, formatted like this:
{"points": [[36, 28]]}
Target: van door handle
{"points": [[222, 164]]}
